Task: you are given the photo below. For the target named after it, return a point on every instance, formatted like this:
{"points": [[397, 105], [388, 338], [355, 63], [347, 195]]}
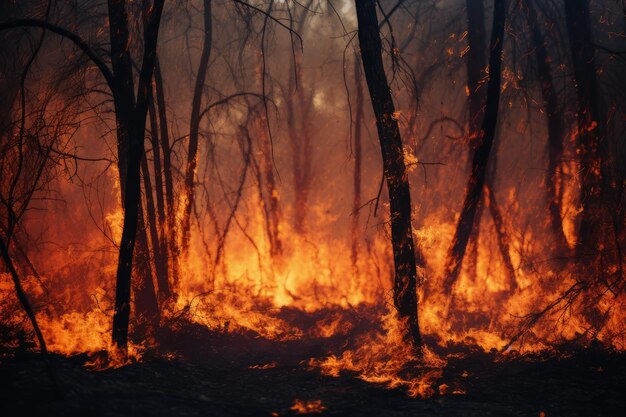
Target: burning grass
{"points": [[312, 295]]}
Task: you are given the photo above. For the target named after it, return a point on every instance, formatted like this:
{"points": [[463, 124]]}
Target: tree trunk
{"points": [[597, 221], [405, 296], [554, 119], [272, 202], [170, 228], [356, 201], [303, 187], [134, 127], [160, 266], [194, 127], [124, 101], [268, 191], [504, 243], [146, 304], [474, 188], [161, 255], [592, 145], [475, 64], [476, 59], [299, 131]]}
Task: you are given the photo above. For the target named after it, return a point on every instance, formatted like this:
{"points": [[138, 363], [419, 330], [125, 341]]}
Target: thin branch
{"points": [[77, 40]]}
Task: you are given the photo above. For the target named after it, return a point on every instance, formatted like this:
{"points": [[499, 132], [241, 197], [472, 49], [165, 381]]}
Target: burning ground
{"points": [[195, 372]]}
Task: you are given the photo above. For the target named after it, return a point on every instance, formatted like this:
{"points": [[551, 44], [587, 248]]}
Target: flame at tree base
{"points": [[385, 358]]}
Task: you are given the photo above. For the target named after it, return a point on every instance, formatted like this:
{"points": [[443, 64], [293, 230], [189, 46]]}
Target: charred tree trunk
{"points": [[299, 131], [300, 141], [164, 137], [260, 183], [473, 243], [127, 246], [592, 145], [356, 200], [155, 239], [156, 161], [554, 119], [474, 188], [268, 191], [194, 127], [502, 237], [160, 244], [305, 175], [124, 101], [170, 226], [476, 61], [133, 127], [272, 202], [504, 243], [405, 296], [475, 64], [146, 304]]}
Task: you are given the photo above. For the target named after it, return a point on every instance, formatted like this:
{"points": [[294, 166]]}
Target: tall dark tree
{"points": [[476, 181], [358, 156], [476, 74], [157, 217], [194, 125], [147, 312], [475, 69], [168, 181], [405, 286], [590, 134], [131, 113], [268, 189], [299, 125], [476, 58], [265, 172], [554, 120], [497, 217]]}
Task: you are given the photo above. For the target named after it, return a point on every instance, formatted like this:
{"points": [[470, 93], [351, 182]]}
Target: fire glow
{"points": [[278, 226]]}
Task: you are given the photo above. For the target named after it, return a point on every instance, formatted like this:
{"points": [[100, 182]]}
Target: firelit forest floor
{"points": [[217, 377]]}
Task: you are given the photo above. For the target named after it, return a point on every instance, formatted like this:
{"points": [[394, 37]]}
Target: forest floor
{"points": [[223, 375]]}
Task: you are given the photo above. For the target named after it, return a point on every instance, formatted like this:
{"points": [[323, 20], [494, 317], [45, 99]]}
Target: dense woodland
{"points": [[395, 191]]}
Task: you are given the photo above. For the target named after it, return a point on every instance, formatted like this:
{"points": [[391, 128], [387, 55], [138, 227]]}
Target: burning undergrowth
{"points": [[304, 306], [366, 341], [386, 358]]}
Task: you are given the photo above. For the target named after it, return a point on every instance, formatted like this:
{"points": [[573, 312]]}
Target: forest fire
{"points": [[283, 207]]}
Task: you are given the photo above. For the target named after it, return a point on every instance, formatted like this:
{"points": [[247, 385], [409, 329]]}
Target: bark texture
{"points": [[405, 286], [194, 126], [131, 125]]}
